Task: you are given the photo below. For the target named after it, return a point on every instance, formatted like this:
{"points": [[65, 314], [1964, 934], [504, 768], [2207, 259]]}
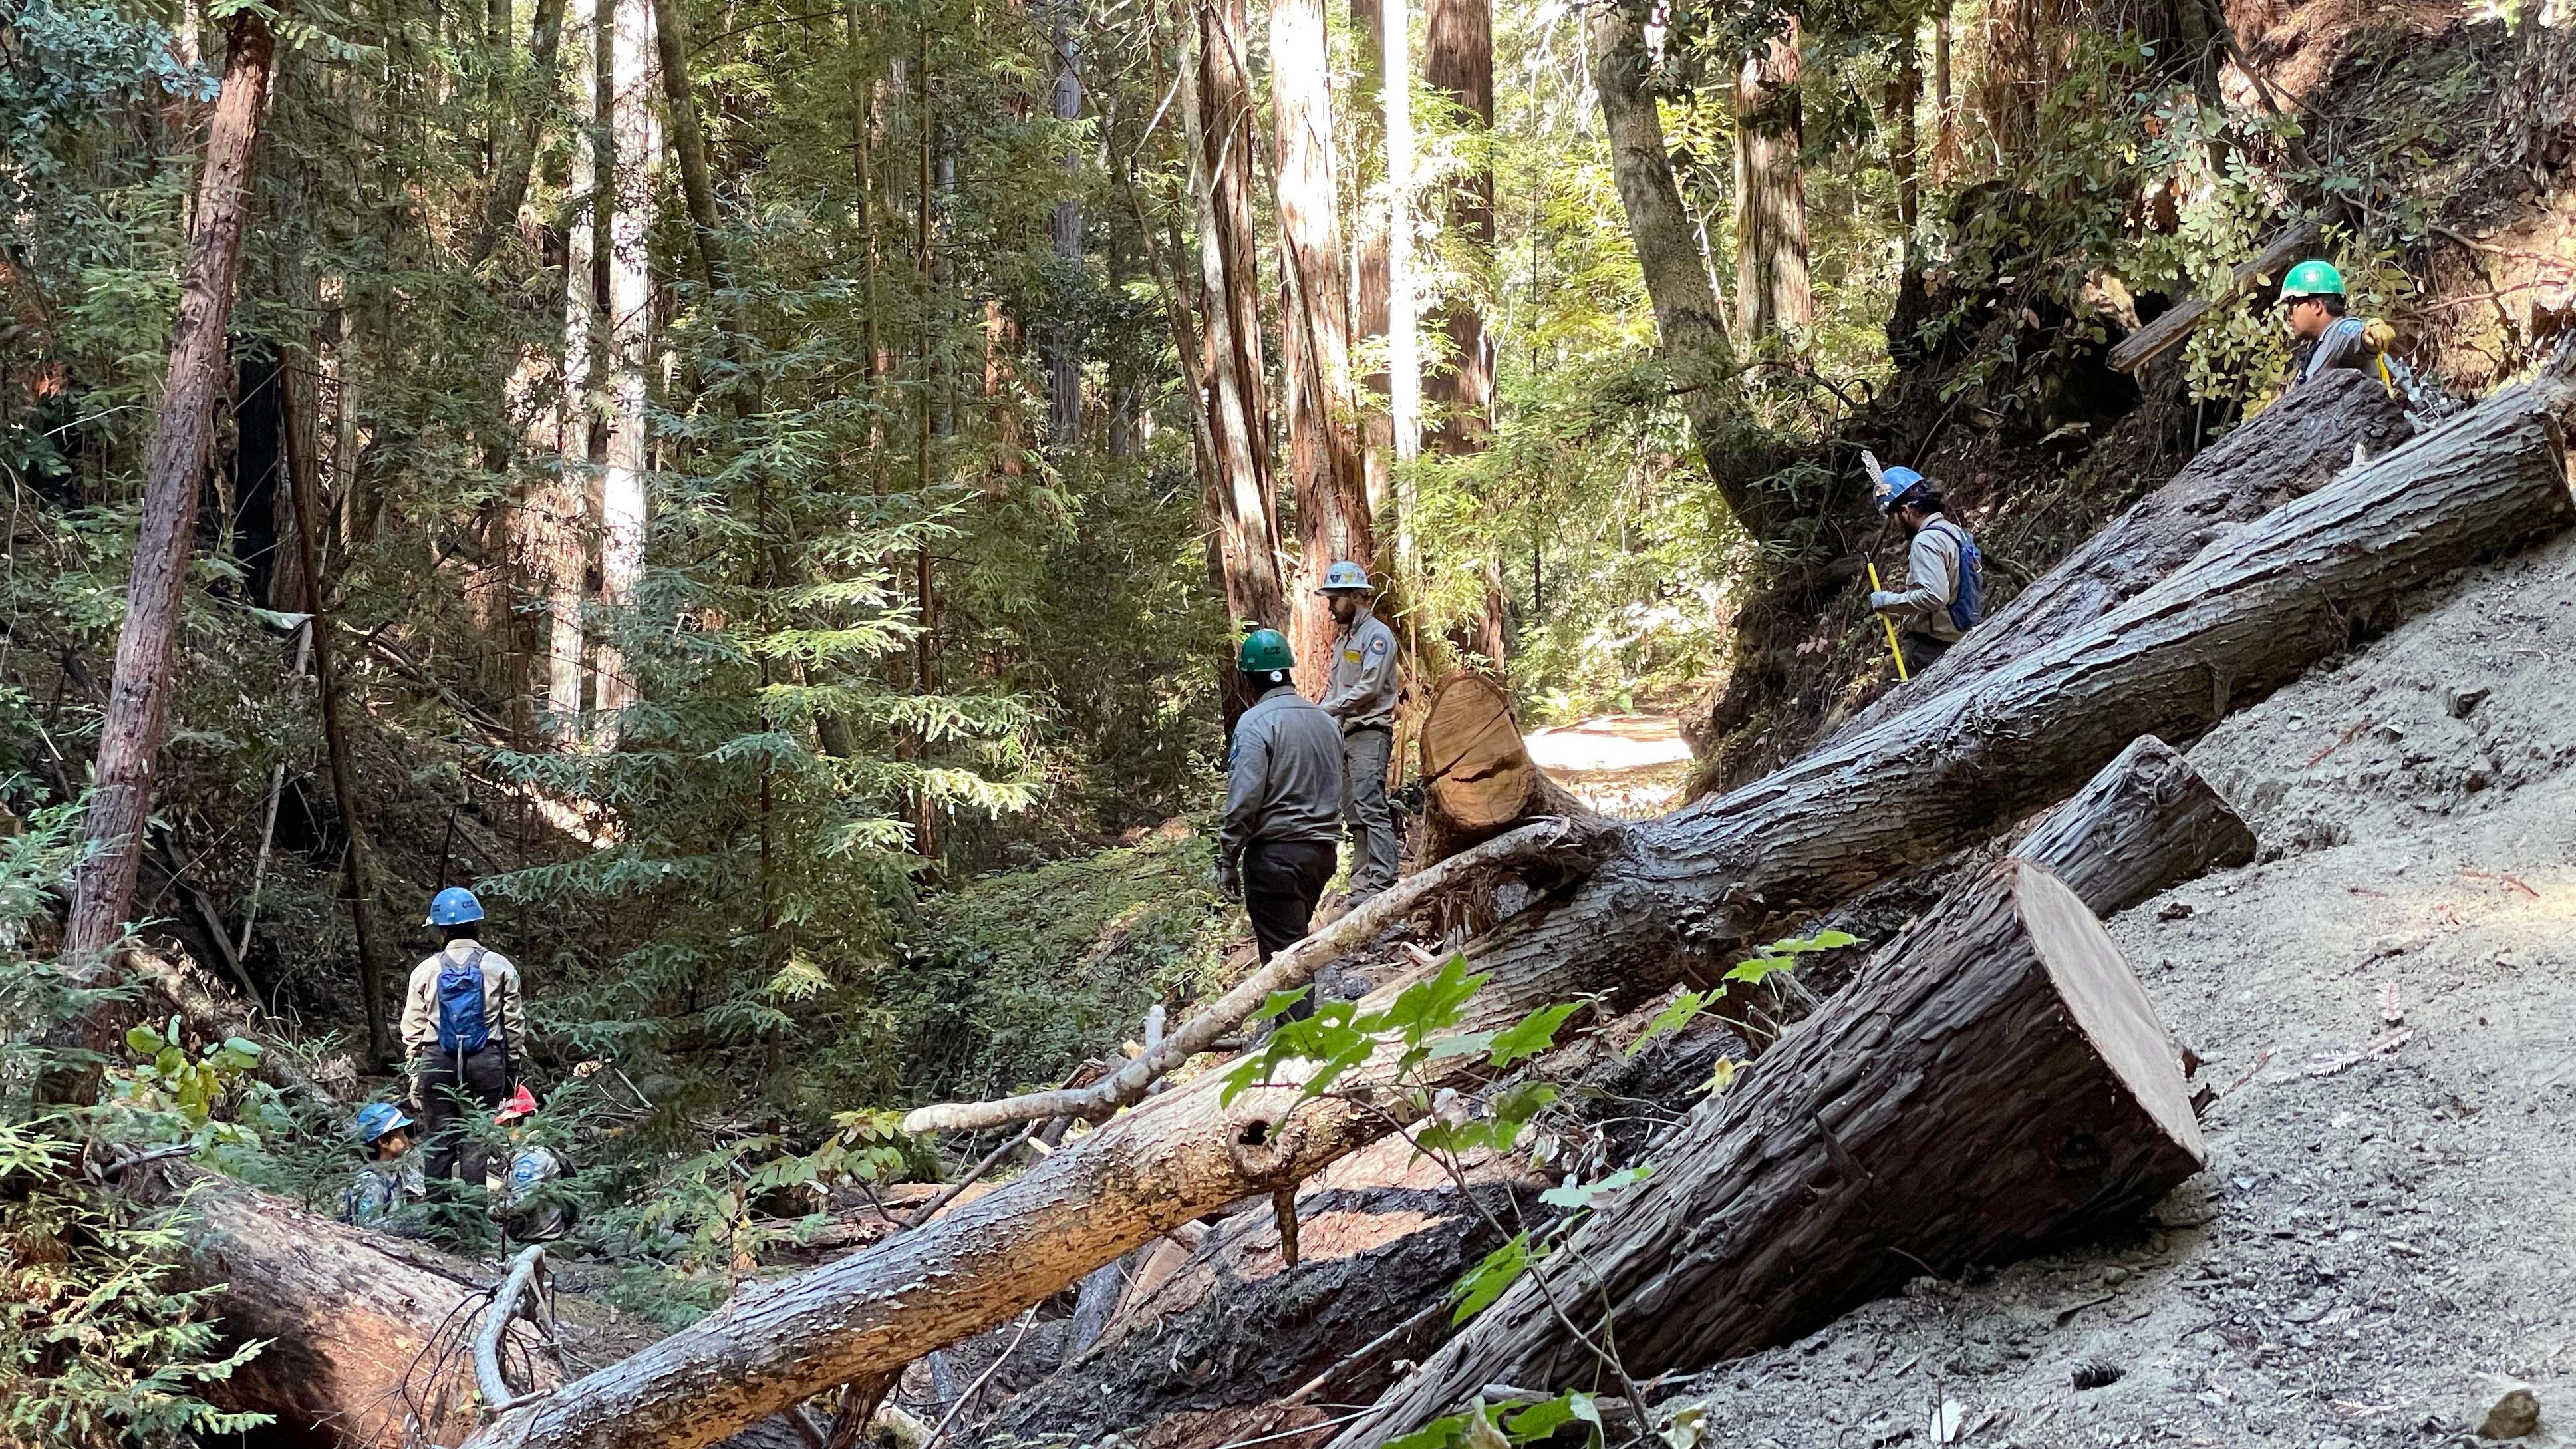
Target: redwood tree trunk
{"points": [[1246, 521], [1323, 449], [510, 170], [1771, 291], [622, 504], [138, 702], [1678, 898]]}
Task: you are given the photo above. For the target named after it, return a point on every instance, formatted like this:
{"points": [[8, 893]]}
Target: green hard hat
{"points": [[2312, 278], [1265, 650]]}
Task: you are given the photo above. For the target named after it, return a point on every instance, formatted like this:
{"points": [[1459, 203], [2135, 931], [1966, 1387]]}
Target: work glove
{"points": [[2378, 336], [1883, 601], [1223, 882]]}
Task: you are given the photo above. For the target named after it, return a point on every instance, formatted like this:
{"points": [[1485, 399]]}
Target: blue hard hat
{"points": [[1894, 486], [454, 906], [378, 1118]]}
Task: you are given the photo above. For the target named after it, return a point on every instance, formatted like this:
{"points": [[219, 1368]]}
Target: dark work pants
{"points": [[1365, 809], [484, 1082], [1922, 649], [1282, 880]]}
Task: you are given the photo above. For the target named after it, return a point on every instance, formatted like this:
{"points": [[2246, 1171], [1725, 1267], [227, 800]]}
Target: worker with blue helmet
{"points": [[391, 1176], [462, 1021], [1945, 576]]}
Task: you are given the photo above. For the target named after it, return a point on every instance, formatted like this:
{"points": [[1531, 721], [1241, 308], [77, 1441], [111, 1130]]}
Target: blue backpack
{"points": [[1970, 606], [461, 1025]]}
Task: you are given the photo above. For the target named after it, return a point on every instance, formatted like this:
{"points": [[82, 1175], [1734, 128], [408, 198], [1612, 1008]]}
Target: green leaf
{"points": [[1540, 1421], [144, 1040], [1432, 1003], [1279, 1001], [1583, 1194], [1486, 1281], [243, 1046], [1532, 1034], [1462, 1045], [1438, 1434], [1685, 1009]]}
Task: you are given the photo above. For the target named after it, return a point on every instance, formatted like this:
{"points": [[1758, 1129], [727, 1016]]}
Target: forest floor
{"points": [[2384, 1242], [1629, 765]]}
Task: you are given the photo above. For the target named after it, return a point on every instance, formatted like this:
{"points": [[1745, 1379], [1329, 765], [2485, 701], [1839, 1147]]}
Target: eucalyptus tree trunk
{"points": [[630, 326], [1333, 519], [1771, 290], [1246, 519], [174, 465]]}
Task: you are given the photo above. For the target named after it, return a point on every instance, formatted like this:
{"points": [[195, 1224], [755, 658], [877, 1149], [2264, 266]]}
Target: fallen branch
{"points": [[1569, 844], [495, 1388], [2158, 337]]}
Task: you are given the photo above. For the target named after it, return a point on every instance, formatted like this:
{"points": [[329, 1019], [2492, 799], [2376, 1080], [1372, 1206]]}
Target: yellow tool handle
{"points": [[1892, 646]]}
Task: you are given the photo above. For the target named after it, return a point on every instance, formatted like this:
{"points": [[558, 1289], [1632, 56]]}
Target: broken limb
{"points": [[1673, 899], [488, 1378], [1567, 846]]}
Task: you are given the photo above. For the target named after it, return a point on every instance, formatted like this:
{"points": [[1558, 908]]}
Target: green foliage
{"points": [[1496, 1426]]}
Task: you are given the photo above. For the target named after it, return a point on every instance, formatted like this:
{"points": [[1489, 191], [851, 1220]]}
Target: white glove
{"points": [[1882, 601]]}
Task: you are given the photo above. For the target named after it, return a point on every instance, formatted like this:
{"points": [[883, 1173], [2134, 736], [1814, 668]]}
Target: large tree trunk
{"points": [[129, 740], [510, 170], [2290, 449], [1690, 326], [558, 535], [1677, 900], [1771, 291], [1382, 1239], [1333, 519], [1064, 340], [1246, 521], [367, 1334], [1458, 62], [1994, 1079], [622, 503]]}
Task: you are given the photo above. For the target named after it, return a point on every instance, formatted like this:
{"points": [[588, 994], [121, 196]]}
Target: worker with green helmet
{"points": [[1361, 695], [2313, 296], [1283, 805]]}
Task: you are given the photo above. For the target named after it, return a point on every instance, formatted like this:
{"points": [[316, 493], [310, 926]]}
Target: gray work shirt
{"points": [[1932, 565], [1363, 686], [1284, 775], [2344, 344]]}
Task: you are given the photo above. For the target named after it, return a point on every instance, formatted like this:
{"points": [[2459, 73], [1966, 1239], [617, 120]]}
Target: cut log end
{"points": [[2108, 1005]]}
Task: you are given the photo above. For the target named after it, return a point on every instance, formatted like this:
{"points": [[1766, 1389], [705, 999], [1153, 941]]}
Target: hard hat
{"points": [[1898, 486], [378, 1118], [454, 906], [1345, 576], [522, 1103], [1265, 651], [2312, 278]]}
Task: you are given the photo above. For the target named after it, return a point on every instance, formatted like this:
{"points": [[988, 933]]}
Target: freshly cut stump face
{"points": [[2110, 1007]]}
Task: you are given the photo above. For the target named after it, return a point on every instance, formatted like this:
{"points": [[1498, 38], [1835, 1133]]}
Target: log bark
{"points": [[2290, 449], [129, 739], [1676, 899], [1478, 777], [1994, 1080], [369, 1336], [2146, 823]]}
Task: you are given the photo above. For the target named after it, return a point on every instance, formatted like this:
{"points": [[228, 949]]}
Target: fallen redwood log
{"points": [[1994, 1079], [370, 1337], [2288, 450], [1478, 779], [2145, 823], [1676, 899]]}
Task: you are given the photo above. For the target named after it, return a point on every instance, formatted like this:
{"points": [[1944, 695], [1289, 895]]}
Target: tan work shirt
{"points": [[501, 1008]]}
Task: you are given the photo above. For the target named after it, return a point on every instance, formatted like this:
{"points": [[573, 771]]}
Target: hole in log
{"points": [[1254, 1133]]}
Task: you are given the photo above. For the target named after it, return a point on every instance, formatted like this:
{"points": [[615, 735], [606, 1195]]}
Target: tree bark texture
{"points": [[1690, 325], [367, 1334], [1677, 900], [622, 503], [1370, 240], [1064, 341], [1458, 63], [1771, 290], [1246, 521], [689, 144], [346, 791], [2290, 449], [1995, 1079], [558, 534], [174, 465], [1333, 520]]}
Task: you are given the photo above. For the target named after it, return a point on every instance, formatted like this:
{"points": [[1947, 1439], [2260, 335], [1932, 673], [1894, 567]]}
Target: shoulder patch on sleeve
{"points": [[1377, 645]]}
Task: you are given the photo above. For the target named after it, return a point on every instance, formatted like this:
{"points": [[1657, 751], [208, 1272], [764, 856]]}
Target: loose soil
{"points": [[2384, 1241]]}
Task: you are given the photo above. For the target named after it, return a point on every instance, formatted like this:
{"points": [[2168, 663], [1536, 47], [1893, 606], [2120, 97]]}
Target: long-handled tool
{"points": [[1892, 646]]}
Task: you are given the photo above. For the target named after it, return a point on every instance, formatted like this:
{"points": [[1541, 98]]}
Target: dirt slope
{"points": [[2381, 1242]]}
